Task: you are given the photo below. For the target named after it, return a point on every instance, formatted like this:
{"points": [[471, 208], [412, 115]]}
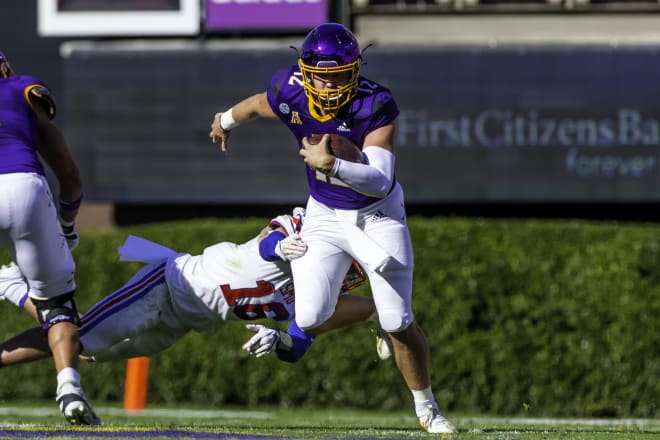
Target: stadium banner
{"points": [[118, 18], [264, 15], [477, 124]]}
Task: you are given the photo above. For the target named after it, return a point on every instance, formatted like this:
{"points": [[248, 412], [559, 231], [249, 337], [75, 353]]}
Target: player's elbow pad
{"points": [[301, 343], [268, 245], [373, 179]]}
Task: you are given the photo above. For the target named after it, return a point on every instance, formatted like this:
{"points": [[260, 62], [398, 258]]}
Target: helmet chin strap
{"points": [[318, 113]]}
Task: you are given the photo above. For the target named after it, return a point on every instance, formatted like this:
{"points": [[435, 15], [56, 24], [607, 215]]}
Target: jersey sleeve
{"points": [[384, 110], [277, 90], [373, 107]]}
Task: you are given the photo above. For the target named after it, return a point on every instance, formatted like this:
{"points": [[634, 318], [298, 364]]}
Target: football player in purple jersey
{"points": [[39, 232], [355, 210]]}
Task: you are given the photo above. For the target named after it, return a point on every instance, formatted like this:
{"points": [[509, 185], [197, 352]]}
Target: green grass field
{"points": [[25, 420]]}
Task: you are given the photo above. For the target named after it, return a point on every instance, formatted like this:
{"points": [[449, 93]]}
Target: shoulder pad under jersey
{"points": [[44, 96], [377, 101], [283, 78]]}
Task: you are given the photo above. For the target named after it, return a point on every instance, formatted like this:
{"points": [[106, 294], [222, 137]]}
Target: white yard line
{"points": [[562, 421]]}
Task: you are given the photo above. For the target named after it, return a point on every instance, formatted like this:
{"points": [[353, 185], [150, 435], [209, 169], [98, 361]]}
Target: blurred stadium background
{"points": [[542, 108]]}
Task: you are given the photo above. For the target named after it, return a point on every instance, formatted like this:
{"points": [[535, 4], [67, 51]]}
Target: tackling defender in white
{"points": [[175, 293]]}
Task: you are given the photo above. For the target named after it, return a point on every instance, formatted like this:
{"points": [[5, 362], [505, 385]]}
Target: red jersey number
{"points": [[245, 308]]}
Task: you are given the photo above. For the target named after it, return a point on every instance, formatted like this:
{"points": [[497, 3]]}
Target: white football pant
{"points": [[331, 247], [31, 231]]}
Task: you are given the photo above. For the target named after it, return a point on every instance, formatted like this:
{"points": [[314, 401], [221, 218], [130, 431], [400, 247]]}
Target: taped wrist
{"points": [[227, 121], [268, 245], [285, 341], [373, 179], [300, 343], [66, 224]]}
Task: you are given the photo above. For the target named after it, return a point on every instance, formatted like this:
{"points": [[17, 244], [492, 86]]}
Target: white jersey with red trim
{"points": [[175, 293], [230, 281]]}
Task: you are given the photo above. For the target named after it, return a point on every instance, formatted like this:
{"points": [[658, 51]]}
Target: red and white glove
{"points": [[291, 247], [263, 342]]}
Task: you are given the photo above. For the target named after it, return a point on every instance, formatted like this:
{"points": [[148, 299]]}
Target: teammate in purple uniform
{"points": [[354, 210], [37, 234]]}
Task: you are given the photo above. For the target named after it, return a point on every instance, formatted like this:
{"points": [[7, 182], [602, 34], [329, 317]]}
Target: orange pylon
{"points": [[135, 390]]}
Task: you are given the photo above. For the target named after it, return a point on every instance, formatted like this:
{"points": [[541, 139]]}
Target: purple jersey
{"points": [[18, 123], [373, 107]]}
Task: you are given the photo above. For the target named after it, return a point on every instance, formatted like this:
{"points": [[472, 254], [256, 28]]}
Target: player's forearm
{"points": [[277, 246], [246, 110], [268, 246], [55, 152], [374, 179]]}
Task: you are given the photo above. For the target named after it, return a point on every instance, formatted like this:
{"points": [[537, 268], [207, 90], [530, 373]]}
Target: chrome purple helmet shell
{"points": [[330, 45], [330, 49]]}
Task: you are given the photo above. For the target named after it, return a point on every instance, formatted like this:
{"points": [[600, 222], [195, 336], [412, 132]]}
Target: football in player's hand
{"points": [[341, 147]]}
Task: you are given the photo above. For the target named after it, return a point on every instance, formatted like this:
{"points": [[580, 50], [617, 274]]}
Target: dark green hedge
{"points": [[560, 318]]}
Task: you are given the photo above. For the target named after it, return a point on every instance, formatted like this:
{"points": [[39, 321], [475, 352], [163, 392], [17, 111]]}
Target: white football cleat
{"points": [[76, 410], [10, 274], [383, 344], [434, 422]]}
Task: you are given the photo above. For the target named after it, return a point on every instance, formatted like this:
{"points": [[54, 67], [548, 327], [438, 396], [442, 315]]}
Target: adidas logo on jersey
{"points": [[376, 216]]}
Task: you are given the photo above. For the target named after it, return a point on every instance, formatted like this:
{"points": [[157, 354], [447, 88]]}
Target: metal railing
{"points": [[502, 6]]}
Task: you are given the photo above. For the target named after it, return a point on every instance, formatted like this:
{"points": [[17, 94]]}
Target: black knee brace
{"points": [[61, 308]]}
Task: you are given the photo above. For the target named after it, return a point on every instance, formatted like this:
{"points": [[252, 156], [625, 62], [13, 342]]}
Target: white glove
{"points": [[70, 234], [291, 247], [263, 342]]}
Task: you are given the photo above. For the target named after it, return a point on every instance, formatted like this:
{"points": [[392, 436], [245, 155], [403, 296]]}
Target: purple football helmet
{"points": [[5, 68], [330, 50]]}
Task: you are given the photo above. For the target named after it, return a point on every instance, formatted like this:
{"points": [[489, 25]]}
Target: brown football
{"points": [[340, 147]]}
